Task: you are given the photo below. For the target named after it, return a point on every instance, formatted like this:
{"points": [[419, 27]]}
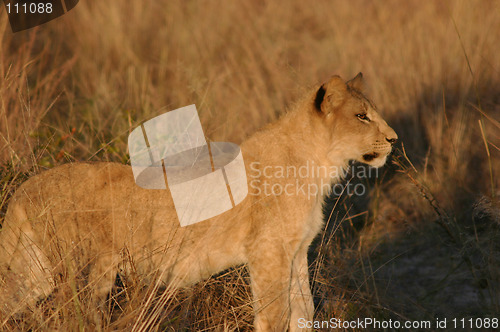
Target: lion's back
{"points": [[97, 202], [76, 187]]}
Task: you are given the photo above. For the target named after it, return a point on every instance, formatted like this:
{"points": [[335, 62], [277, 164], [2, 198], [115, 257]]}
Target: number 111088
{"points": [[29, 8], [475, 323]]}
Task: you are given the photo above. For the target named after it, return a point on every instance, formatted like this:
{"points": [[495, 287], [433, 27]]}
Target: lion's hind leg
{"points": [[25, 272]]}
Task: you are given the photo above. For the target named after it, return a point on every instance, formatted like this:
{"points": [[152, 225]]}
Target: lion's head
{"points": [[357, 130]]}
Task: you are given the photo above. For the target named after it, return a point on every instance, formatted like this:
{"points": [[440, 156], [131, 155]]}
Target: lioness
{"points": [[81, 218]]}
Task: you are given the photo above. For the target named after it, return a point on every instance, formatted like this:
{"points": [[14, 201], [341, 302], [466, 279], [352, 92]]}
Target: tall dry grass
{"points": [[72, 89]]}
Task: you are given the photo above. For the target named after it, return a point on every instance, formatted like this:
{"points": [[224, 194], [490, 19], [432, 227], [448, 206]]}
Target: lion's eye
{"points": [[363, 117]]}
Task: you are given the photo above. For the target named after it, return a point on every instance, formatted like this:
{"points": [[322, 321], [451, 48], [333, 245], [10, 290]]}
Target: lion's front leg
{"points": [[301, 301], [281, 290], [270, 275]]}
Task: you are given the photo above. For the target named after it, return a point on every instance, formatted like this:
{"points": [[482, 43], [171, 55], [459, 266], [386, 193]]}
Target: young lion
{"points": [[82, 218]]}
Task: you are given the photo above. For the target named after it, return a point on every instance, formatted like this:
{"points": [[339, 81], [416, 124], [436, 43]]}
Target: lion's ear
{"points": [[357, 83], [330, 95], [336, 91]]}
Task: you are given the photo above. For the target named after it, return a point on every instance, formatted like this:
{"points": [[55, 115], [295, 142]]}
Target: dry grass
{"points": [[423, 244]]}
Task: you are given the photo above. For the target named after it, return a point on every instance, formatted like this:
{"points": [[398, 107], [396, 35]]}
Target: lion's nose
{"points": [[391, 140]]}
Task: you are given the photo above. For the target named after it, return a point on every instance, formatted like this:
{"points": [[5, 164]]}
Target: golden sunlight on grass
{"points": [[423, 243]]}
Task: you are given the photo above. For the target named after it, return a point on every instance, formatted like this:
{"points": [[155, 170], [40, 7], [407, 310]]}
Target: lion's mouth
{"points": [[370, 156]]}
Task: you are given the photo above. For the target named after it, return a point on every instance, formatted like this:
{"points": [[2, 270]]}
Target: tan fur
{"points": [[81, 218]]}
